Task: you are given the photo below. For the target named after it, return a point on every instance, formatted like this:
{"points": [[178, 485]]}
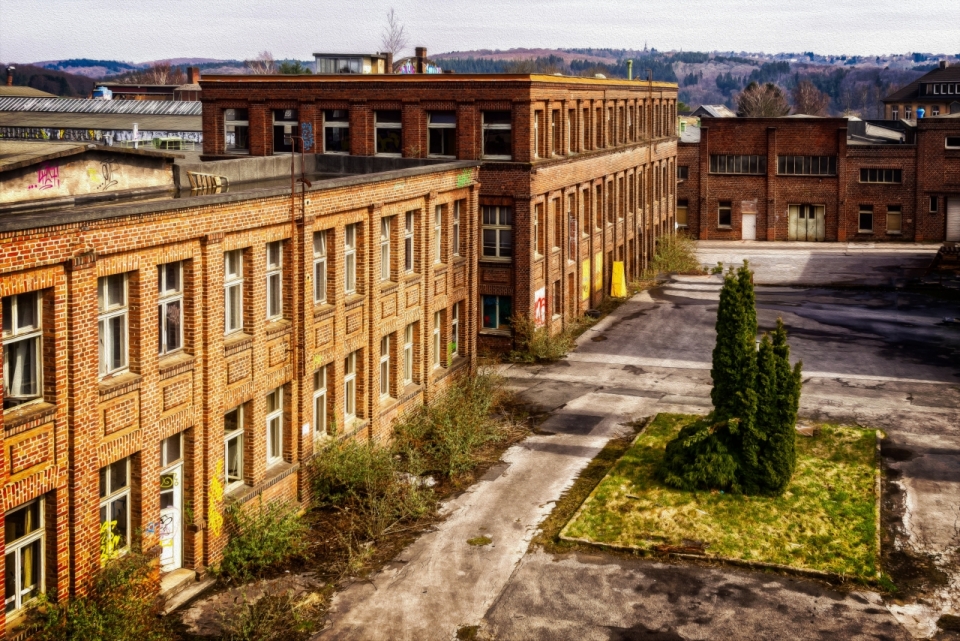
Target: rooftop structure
{"points": [[937, 93]]}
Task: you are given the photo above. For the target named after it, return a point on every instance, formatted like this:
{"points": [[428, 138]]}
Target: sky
{"points": [[145, 30]]}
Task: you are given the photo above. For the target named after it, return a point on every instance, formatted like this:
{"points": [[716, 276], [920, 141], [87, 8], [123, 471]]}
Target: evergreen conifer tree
{"points": [[781, 454]]}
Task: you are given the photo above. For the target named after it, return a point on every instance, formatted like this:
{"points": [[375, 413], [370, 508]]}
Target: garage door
{"points": [[953, 218]]}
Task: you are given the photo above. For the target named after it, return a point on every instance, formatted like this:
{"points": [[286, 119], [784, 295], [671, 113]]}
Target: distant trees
{"points": [[727, 83], [262, 65], [159, 73], [807, 99], [762, 101], [393, 39], [293, 68]]}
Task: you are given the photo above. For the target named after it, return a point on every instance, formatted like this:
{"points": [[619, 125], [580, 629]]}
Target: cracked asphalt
{"points": [[880, 358]]}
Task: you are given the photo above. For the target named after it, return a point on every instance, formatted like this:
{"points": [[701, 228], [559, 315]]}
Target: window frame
{"points": [[113, 495], [232, 281], [493, 127], [934, 205], [865, 210], [106, 314], [231, 125], [409, 339], [273, 420], [15, 548], [454, 343], [951, 142], [350, 387], [409, 244], [320, 266], [229, 480], [386, 267], [725, 206], [340, 126], [897, 212], [497, 300], [881, 175], [165, 298], [438, 234], [455, 238], [274, 280], [437, 346], [385, 367], [350, 242], [387, 127], [441, 128], [501, 213], [733, 164], [16, 334], [319, 401]]}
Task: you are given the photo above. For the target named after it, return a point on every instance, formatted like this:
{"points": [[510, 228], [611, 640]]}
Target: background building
{"points": [[937, 93]]}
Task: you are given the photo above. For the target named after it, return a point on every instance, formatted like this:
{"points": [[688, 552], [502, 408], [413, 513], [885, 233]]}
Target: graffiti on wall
{"points": [[48, 177], [104, 136], [540, 307], [214, 517], [306, 131]]}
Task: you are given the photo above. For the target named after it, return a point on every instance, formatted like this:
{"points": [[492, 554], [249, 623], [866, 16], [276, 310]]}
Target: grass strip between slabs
{"points": [[825, 522]]}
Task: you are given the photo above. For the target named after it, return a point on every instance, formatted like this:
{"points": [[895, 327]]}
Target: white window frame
{"points": [[350, 258], [409, 262], [230, 126], [496, 127], [385, 367], [437, 319], [112, 495], [350, 387], [865, 209], [500, 214], [455, 329], [274, 254], [12, 334], [167, 298], [232, 286], [537, 214], [107, 313], [386, 270], [274, 427], [408, 337], [441, 125], [438, 234], [455, 240], [335, 124], [235, 435], [377, 126], [536, 133], [320, 266], [320, 402], [15, 548]]}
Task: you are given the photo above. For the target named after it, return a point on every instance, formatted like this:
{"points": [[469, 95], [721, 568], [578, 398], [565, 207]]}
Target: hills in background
{"points": [[855, 84]]}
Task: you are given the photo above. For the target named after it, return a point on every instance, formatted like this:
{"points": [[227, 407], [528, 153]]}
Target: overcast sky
{"points": [[132, 30]]}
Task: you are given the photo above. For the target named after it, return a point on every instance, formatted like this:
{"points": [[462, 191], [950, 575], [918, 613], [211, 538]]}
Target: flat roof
{"points": [[100, 121], [437, 78], [15, 154]]}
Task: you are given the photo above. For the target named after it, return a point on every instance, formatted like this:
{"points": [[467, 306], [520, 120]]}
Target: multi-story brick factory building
{"points": [[576, 173], [168, 357], [820, 179]]}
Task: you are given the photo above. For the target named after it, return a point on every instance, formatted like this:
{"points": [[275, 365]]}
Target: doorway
{"points": [[806, 223], [953, 218], [749, 227], [170, 530]]}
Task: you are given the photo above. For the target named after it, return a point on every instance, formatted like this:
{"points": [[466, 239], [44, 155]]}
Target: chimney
{"points": [[421, 55], [389, 62], [10, 76], [193, 75], [629, 69], [944, 64]]}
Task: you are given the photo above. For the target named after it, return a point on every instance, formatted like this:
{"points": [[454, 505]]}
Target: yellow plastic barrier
{"points": [[618, 289]]}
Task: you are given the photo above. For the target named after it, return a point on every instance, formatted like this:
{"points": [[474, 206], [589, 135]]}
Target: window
{"points": [[454, 329], [350, 387], [233, 446], [284, 126], [112, 323], [497, 232], [568, 140], [572, 220], [350, 258], [952, 142], [320, 266], [275, 426], [456, 228], [274, 279], [682, 212], [598, 206], [408, 334], [724, 214], [894, 219], [236, 131], [866, 219], [557, 224], [233, 291], [908, 113], [895, 114], [336, 131], [384, 367], [935, 110], [537, 130], [320, 402], [556, 307], [171, 451], [881, 175], [610, 202], [497, 135], [727, 164], [22, 357], [437, 353], [115, 502], [24, 538], [538, 228], [388, 132], [807, 165], [385, 271], [555, 129], [442, 133], [438, 234], [497, 311], [408, 242], [934, 204], [170, 307], [683, 172], [339, 65], [582, 131]]}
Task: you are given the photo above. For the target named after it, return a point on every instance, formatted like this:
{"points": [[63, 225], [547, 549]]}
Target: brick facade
{"points": [[570, 136], [55, 446], [923, 171]]}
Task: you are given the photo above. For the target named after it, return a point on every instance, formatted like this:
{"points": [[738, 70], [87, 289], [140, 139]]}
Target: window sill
{"points": [[323, 309], [495, 259], [489, 331], [411, 277], [387, 403], [119, 384], [176, 363], [894, 233], [459, 260], [409, 391], [36, 411], [236, 342], [724, 227], [388, 286], [353, 300], [439, 268], [509, 158]]}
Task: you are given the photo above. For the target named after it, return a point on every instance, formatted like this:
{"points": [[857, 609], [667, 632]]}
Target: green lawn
{"points": [[825, 521]]}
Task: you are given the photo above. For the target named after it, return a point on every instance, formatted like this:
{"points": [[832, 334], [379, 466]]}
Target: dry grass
{"points": [[825, 521]]}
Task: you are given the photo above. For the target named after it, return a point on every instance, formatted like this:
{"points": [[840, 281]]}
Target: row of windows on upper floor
{"points": [[865, 217], [791, 166], [497, 131], [22, 326]]}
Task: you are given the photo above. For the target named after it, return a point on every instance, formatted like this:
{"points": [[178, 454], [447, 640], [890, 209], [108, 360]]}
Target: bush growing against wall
{"points": [[261, 536], [538, 344], [676, 253]]}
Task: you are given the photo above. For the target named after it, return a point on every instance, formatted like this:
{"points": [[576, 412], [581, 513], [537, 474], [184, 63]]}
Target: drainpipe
{"points": [[629, 69]]}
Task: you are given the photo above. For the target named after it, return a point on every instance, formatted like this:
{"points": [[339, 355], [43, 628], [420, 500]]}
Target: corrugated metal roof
{"points": [[91, 106]]}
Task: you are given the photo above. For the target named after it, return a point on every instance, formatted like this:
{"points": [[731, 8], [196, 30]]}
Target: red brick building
{"points": [[576, 173], [820, 179], [164, 359]]}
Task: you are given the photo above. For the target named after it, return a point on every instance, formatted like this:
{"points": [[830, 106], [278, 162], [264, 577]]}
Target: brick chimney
{"points": [[421, 55], [193, 75], [944, 64], [389, 63], [10, 76]]}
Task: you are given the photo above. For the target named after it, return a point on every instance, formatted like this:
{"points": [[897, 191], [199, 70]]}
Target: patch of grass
{"points": [[274, 617], [480, 541], [824, 521]]}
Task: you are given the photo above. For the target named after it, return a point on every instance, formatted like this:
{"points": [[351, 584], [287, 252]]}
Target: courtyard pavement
{"points": [[873, 357]]}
